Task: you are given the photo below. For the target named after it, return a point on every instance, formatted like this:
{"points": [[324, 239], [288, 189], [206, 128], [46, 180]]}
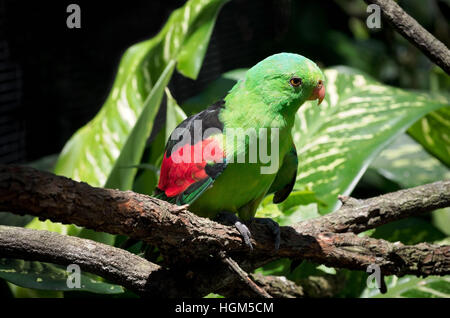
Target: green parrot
{"points": [[225, 159]]}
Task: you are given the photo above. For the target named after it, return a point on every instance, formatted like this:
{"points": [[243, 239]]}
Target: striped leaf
{"points": [[412, 287], [93, 153], [147, 177], [337, 141], [106, 151], [406, 163], [433, 132], [46, 276]]}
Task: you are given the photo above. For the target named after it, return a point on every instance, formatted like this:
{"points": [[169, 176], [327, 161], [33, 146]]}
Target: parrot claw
{"points": [[245, 233], [274, 228], [231, 218]]}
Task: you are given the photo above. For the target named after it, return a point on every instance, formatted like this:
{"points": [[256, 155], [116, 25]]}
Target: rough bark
{"points": [[357, 216], [192, 245]]}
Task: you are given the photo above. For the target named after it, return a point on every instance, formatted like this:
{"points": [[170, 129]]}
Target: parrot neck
{"points": [[245, 109]]}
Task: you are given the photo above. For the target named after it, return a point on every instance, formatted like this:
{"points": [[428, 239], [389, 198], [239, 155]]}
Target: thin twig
{"points": [[243, 276]]}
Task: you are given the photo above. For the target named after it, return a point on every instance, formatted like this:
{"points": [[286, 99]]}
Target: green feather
{"points": [[285, 180], [187, 197]]}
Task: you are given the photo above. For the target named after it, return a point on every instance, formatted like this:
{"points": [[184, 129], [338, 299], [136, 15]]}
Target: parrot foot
{"points": [[274, 228], [231, 218]]}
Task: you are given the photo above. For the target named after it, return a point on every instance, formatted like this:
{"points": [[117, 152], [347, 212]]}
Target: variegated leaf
{"points": [[337, 141], [433, 132], [406, 163], [412, 287], [92, 153]]}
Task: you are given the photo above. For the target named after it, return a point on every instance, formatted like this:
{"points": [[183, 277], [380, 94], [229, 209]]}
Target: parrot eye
{"points": [[295, 81]]}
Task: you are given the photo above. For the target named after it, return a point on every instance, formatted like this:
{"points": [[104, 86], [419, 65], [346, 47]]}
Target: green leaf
{"points": [[21, 292], [174, 114], [441, 220], [406, 163], [300, 205], [212, 295], [46, 276], [337, 141], [289, 216], [102, 152], [412, 287], [7, 218], [409, 231], [307, 268], [433, 132], [94, 152], [146, 180], [46, 163], [47, 225], [280, 267], [193, 50], [121, 176]]}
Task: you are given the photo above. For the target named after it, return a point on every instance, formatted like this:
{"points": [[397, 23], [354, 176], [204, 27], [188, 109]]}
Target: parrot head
{"points": [[285, 81]]}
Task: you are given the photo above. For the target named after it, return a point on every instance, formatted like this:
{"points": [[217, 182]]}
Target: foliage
{"points": [[45, 276], [413, 287], [432, 132], [105, 151], [365, 135], [126, 118]]}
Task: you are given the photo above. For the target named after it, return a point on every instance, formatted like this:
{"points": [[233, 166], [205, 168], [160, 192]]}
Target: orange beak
{"points": [[318, 92]]}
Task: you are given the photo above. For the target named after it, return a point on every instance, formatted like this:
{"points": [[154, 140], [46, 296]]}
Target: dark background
{"points": [[53, 80]]}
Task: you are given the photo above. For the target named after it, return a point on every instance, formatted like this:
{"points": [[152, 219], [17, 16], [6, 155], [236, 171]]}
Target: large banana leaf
{"points": [[145, 181], [406, 163], [122, 176], [412, 287], [433, 132], [46, 276], [96, 153], [337, 141], [106, 150], [103, 152]]}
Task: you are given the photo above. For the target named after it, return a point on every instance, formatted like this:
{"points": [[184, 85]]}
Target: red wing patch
{"points": [[186, 165]]}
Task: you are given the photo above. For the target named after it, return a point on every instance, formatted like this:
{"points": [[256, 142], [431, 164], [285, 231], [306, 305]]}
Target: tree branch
{"points": [[25, 190], [409, 28], [244, 277], [281, 287], [361, 215], [117, 265], [277, 286], [194, 243]]}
